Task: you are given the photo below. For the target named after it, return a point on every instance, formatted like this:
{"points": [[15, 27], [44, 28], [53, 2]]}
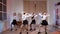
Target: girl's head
{"points": [[44, 13], [14, 14], [24, 13]]}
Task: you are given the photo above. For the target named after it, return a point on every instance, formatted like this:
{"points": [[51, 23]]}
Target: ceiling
{"points": [[34, 0]]}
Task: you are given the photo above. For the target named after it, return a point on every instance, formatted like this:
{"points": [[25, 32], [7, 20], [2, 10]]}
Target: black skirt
{"points": [[25, 22], [14, 22], [33, 22], [44, 23]]}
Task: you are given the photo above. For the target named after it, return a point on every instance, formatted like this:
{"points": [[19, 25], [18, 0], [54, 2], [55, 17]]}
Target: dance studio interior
{"points": [[29, 16]]}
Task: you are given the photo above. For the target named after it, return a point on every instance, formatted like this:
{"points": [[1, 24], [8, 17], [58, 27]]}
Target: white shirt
{"points": [[40, 14], [44, 17], [14, 17], [24, 17]]}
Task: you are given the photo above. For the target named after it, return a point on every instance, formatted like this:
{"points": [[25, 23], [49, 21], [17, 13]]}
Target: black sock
{"points": [[27, 32], [39, 32], [45, 32], [11, 29], [34, 29], [15, 29], [20, 33], [30, 29]]}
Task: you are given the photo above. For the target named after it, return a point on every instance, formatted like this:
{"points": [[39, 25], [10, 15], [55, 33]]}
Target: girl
{"points": [[32, 25], [44, 21], [14, 21], [25, 23]]}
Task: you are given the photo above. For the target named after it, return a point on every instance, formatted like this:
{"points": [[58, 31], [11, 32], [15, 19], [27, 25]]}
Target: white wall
{"points": [[17, 6], [51, 10]]}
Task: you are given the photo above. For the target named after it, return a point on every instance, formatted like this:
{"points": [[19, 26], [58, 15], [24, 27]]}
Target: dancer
{"points": [[44, 21], [32, 25], [25, 22], [14, 21]]}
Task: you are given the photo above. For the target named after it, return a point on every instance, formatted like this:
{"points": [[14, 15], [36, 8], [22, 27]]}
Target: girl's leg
{"points": [[15, 27], [45, 29], [34, 26], [30, 27], [11, 27], [27, 28], [39, 29], [21, 28]]}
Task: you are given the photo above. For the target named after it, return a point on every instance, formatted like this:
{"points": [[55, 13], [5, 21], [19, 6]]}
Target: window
{"points": [[0, 0], [0, 15], [0, 7], [4, 8], [3, 12], [4, 2], [4, 16]]}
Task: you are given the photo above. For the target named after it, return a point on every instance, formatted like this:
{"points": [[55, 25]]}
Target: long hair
{"points": [[32, 17]]}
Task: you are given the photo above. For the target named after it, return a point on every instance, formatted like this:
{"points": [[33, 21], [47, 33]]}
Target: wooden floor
{"points": [[51, 30]]}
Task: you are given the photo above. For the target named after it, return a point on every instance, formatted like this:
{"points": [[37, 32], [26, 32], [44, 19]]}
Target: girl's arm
{"points": [[47, 15], [40, 14]]}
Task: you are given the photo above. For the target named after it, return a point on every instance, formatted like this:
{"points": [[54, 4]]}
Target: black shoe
{"points": [[15, 29], [34, 29], [27, 32], [20, 33], [39, 32], [11, 29], [31, 29], [45, 32]]}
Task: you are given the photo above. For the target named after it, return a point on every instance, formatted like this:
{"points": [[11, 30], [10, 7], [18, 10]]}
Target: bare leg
{"points": [[39, 29], [11, 27], [33, 27], [30, 27], [45, 29], [21, 28], [27, 28]]}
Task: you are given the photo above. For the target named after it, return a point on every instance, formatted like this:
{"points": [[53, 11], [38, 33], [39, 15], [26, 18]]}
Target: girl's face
{"points": [[44, 13]]}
